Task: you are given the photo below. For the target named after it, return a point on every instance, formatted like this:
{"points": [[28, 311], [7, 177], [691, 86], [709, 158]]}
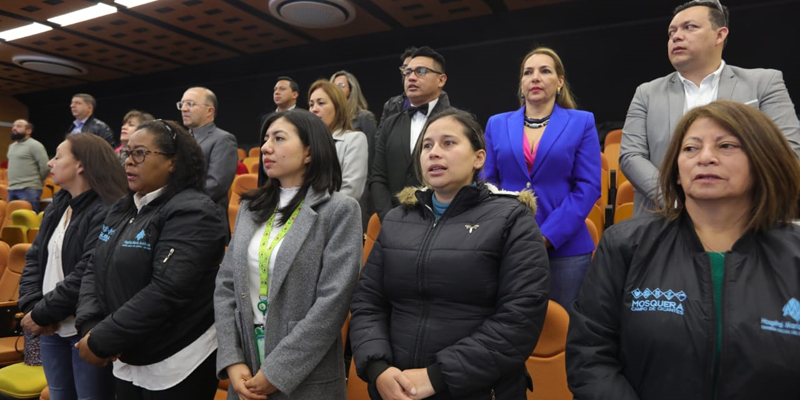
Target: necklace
{"points": [[720, 253], [537, 123]]}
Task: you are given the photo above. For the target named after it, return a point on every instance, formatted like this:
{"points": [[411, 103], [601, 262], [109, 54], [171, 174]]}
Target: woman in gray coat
{"points": [[285, 284]]}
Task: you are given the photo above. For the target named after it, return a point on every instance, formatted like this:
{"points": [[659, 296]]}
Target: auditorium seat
{"points": [[241, 184], [242, 153], [624, 194], [547, 363], [254, 152], [373, 229], [623, 212]]}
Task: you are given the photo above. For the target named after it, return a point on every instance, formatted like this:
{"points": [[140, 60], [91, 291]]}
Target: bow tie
{"points": [[413, 110]]}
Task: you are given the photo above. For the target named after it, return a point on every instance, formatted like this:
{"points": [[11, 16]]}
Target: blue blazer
{"points": [[566, 173]]}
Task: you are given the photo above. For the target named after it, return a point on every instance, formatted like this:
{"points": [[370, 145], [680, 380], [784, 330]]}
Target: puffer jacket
{"points": [[80, 238], [644, 325], [464, 296], [148, 291]]}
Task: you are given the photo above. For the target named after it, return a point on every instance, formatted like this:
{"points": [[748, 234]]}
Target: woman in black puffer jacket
{"points": [[453, 296]]}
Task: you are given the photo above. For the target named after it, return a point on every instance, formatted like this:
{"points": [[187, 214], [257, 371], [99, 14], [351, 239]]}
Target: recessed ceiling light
{"points": [[132, 3], [86, 14], [313, 13], [49, 65], [24, 31]]}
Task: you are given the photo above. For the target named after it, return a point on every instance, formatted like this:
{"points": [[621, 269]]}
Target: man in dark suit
{"points": [[697, 35], [393, 167], [82, 107], [198, 109]]}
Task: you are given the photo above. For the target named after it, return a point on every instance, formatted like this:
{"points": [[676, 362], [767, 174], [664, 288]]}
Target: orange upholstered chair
{"points": [[623, 212], [241, 184], [254, 152], [547, 365], [624, 194], [11, 347], [373, 229], [242, 153], [614, 136]]}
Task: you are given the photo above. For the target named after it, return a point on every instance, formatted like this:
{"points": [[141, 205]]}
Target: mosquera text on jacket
{"points": [[658, 300]]}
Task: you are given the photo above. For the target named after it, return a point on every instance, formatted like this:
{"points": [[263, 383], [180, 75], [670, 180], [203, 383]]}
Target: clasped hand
{"points": [[394, 384], [88, 355], [35, 329], [247, 386]]}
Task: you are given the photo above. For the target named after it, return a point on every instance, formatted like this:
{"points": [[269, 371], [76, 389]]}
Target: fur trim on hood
{"points": [[408, 197]]}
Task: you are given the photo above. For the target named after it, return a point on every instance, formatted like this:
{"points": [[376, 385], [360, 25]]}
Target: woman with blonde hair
{"points": [[701, 300], [328, 103]]}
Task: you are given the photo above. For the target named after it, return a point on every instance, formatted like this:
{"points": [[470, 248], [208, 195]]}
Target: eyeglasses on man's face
{"points": [[138, 155], [419, 71], [189, 103]]}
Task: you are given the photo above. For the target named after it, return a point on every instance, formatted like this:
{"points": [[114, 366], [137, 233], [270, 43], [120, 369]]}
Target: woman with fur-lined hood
{"points": [[454, 294]]}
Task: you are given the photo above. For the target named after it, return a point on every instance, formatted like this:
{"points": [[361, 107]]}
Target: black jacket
{"points": [[149, 289], [99, 128], [88, 212], [464, 297], [644, 325], [392, 167]]}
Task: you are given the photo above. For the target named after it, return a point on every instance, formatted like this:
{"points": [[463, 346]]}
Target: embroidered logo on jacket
{"points": [[106, 233], [658, 300], [138, 243], [792, 310]]}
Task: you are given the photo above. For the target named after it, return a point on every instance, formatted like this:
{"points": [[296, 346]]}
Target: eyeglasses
{"points": [[419, 71], [341, 85], [138, 155], [189, 103]]}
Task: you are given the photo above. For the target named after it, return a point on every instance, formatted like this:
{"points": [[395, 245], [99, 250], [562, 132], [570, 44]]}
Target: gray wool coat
{"points": [[315, 274]]}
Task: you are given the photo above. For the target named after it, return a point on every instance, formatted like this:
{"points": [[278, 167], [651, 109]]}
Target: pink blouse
{"points": [[530, 155]]}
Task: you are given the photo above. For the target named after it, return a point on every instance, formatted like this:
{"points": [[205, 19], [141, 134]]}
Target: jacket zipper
{"points": [[171, 251], [721, 326], [493, 395], [420, 260]]}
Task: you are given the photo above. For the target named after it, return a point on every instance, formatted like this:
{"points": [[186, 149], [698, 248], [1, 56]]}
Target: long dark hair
{"points": [[189, 162], [101, 167], [323, 173]]}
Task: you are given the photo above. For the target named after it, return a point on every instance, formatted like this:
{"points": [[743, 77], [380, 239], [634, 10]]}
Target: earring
{"points": [[559, 92]]}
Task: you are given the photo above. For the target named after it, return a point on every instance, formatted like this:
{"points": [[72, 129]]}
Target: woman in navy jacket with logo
{"points": [[700, 302], [549, 147], [146, 300]]}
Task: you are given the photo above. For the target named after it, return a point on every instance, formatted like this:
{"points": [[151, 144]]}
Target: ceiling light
{"points": [[24, 31], [132, 3], [86, 14], [313, 13], [49, 65]]}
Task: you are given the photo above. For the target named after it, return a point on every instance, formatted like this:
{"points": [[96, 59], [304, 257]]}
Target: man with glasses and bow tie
{"points": [[697, 34], [392, 168], [198, 109]]}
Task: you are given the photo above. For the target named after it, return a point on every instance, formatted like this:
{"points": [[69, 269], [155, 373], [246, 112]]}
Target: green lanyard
{"points": [[265, 251]]}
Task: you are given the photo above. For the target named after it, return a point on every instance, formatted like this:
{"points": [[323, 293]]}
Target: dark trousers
{"points": [[200, 385]]}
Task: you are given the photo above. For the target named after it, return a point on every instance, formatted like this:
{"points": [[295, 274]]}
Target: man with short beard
{"points": [[27, 165]]}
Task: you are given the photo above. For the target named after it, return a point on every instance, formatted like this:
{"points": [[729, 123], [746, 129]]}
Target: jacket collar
{"points": [[467, 197], [63, 198], [744, 244]]}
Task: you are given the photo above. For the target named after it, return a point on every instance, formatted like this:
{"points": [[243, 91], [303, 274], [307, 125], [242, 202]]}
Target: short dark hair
{"points": [[292, 83], [472, 130], [408, 52], [101, 167], [190, 163], [426, 51], [717, 13], [323, 173], [89, 99]]}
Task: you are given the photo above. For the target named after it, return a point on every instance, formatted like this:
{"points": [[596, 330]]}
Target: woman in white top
{"points": [[285, 284], [91, 179], [328, 102]]}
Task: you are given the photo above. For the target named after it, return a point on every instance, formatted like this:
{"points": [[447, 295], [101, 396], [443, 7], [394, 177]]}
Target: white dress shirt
{"points": [[418, 122], [707, 92]]}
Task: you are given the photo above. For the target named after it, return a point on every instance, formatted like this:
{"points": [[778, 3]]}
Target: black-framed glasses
{"points": [[419, 71], [189, 103], [138, 155]]}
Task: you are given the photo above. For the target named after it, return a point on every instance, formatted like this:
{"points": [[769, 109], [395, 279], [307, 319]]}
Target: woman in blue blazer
{"points": [[549, 147]]}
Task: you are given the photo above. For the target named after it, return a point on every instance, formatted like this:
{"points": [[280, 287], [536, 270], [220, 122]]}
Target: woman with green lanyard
{"points": [[285, 284], [701, 301]]}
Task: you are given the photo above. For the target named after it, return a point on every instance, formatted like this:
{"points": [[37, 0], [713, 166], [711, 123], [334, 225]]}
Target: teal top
{"points": [[438, 207], [717, 274]]}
